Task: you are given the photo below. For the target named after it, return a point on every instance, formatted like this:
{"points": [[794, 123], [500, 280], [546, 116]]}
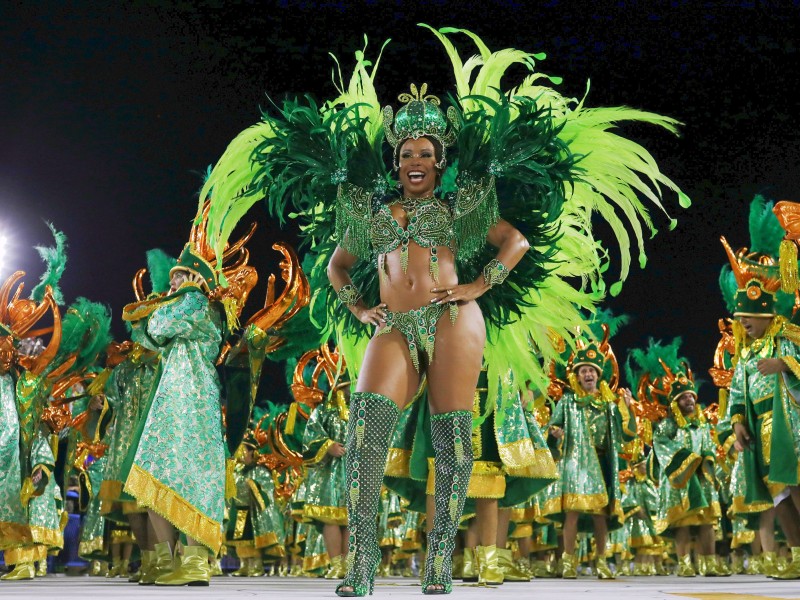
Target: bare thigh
{"points": [[387, 369], [458, 356]]}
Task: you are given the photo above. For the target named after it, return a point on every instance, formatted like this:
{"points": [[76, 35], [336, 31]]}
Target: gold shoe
{"points": [[602, 568], [143, 565], [639, 570], [469, 571], [539, 570], [524, 565], [216, 567], [296, 571], [722, 566], [21, 571], [737, 564], [193, 570], [333, 571], [505, 562], [569, 566], [458, 566], [624, 568], [41, 568], [766, 563], [792, 570], [489, 572], [383, 570], [256, 567], [114, 570], [244, 568], [160, 564], [685, 567], [754, 566], [660, 569]]}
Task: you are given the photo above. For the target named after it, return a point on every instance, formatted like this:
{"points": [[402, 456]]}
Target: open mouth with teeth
{"points": [[416, 176]]}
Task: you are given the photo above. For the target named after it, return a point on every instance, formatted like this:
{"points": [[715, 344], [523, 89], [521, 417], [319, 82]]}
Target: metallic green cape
{"points": [[589, 478], [179, 466], [687, 492]]}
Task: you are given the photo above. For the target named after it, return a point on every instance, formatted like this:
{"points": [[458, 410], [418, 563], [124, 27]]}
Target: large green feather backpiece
{"points": [[556, 164]]}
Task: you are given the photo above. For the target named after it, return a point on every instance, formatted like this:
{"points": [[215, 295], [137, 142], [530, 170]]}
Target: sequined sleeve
{"points": [[183, 318], [679, 462], [475, 211], [736, 398], [316, 439], [354, 220], [42, 453]]}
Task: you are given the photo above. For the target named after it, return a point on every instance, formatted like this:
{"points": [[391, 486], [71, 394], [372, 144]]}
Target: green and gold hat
{"points": [[191, 260], [420, 117], [752, 285], [589, 355]]}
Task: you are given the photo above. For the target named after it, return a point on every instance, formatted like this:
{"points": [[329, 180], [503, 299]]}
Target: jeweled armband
{"points": [[348, 295], [495, 272]]}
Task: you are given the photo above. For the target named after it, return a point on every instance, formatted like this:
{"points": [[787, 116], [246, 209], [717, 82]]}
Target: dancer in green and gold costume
{"points": [[589, 424], [763, 409]]}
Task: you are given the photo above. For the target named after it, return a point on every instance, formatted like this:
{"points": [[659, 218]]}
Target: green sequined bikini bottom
{"points": [[419, 327]]}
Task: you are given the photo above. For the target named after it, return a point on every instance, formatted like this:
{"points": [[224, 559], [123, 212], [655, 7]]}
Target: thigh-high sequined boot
{"points": [[369, 430], [451, 437]]}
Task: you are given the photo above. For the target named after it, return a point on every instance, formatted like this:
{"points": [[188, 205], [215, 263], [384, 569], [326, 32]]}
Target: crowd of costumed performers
{"points": [[454, 409]]}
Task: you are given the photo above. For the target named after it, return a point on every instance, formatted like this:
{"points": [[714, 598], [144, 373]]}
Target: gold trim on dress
{"points": [[14, 534], [323, 450], [680, 477], [153, 494], [88, 547], [52, 538], [16, 556], [254, 489], [330, 515], [397, 463], [312, 563]]}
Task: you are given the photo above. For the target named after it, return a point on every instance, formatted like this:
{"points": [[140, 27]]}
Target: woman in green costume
{"points": [[426, 268]]}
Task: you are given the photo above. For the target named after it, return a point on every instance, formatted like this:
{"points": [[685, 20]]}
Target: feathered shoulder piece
{"points": [[85, 334]]}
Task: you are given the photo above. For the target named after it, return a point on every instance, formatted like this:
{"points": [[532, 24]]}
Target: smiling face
{"points": [[686, 403], [418, 173], [587, 378], [755, 327]]}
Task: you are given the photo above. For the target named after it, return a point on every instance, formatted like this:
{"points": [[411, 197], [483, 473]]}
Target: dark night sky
{"points": [[109, 112]]}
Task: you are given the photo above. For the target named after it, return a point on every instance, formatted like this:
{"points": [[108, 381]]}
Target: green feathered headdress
{"points": [[659, 373], [159, 264], [55, 258], [85, 332], [751, 285]]}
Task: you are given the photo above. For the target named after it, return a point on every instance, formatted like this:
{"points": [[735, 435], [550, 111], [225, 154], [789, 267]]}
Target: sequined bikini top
{"points": [[430, 225]]}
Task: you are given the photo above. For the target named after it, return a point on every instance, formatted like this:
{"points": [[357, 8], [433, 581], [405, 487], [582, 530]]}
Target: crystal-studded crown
{"points": [[420, 117]]}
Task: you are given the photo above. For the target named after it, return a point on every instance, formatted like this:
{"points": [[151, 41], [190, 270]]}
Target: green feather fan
{"points": [[86, 332], [644, 361]]}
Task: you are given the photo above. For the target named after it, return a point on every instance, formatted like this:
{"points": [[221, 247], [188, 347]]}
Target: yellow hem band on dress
{"points": [[330, 515], [122, 536], [110, 491], [312, 563], [594, 504], [90, 546], [266, 540], [152, 494], [48, 537], [246, 550], [794, 366], [14, 534], [17, 556], [397, 463]]}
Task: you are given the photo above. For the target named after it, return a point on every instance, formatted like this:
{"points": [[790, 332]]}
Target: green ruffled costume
{"points": [[179, 466], [594, 430], [326, 499], [686, 458]]}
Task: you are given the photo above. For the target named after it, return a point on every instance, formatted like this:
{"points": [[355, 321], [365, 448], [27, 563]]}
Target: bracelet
{"points": [[348, 295], [495, 272]]}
